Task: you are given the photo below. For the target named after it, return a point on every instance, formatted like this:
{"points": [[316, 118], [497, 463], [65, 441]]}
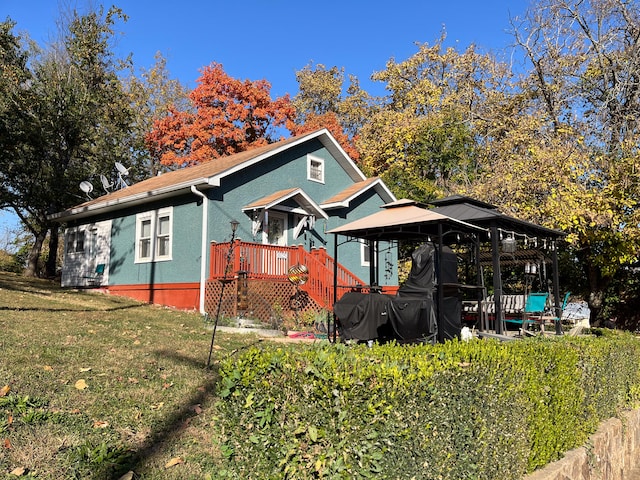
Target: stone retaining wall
{"points": [[612, 453]]}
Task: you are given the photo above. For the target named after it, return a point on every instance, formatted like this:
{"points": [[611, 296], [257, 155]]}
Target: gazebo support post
{"points": [[479, 278], [439, 287], [556, 289], [372, 264], [497, 278]]}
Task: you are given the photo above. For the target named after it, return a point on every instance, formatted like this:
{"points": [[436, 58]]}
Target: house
{"points": [[163, 240]]}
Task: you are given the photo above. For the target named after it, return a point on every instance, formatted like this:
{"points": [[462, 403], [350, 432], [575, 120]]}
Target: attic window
{"points": [[315, 169]]}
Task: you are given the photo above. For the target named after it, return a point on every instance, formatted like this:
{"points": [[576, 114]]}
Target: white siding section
{"points": [[79, 268]]}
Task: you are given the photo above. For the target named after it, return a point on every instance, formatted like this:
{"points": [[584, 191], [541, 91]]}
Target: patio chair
{"points": [[534, 310], [552, 317], [96, 278]]}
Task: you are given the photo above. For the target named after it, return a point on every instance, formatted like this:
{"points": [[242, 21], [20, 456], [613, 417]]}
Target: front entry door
{"points": [[276, 261], [277, 229]]}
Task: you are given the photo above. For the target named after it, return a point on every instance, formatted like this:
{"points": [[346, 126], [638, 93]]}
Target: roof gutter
{"points": [[124, 202]]}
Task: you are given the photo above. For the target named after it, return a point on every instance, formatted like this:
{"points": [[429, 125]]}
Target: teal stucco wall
{"points": [[285, 170]]}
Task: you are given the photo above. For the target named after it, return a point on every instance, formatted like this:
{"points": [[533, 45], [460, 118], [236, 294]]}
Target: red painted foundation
{"points": [[184, 296]]}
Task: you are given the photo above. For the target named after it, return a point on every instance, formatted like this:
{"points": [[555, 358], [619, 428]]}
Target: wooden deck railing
{"points": [[261, 261]]}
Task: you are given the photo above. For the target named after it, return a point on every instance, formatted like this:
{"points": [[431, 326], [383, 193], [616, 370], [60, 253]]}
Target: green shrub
{"points": [[480, 409], [10, 262]]}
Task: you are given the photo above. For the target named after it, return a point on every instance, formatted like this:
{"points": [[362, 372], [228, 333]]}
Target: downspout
{"points": [[203, 252]]}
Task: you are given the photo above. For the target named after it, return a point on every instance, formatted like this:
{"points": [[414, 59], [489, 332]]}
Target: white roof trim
{"points": [[323, 135], [292, 194], [377, 184], [131, 200], [327, 140]]}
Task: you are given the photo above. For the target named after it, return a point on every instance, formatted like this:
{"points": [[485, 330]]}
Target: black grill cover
{"points": [[411, 315], [449, 267], [450, 318], [363, 316], [420, 279], [412, 319]]}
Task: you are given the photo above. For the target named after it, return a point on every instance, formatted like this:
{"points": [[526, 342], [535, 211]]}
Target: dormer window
{"points": [[315, 169]]}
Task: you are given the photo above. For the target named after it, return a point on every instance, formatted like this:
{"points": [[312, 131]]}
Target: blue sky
{"points": [[272, 39]]}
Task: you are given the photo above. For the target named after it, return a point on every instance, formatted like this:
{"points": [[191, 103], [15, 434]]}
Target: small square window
{"points": [[315, 169]]}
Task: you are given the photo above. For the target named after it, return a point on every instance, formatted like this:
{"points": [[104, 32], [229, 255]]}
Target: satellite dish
{"points": [[105, 183], [122, 169], [122, 172], [86, 187]]}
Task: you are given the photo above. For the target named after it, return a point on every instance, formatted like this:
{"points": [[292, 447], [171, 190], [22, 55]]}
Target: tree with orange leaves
{"points": [[227, 116]]}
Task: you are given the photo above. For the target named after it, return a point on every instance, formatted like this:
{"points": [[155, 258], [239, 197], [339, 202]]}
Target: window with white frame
{"points": [[315, 169], [154, 235], [75, 241]]}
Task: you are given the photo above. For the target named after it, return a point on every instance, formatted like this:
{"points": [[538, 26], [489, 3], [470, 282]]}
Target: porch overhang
{"points": [[278, 198]]}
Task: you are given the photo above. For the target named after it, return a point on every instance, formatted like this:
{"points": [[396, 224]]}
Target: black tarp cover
{"points": [[421, 276], [410, 316], [363, 316]]}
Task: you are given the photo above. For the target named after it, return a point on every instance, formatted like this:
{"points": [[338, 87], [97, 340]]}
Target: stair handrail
{"points": [[262, 261]]}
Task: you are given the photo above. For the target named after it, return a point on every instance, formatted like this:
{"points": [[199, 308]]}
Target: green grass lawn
{"points": [[97, 386]]}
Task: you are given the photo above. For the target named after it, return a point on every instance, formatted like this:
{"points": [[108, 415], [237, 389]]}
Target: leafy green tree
{"points": [[323, 102], [64, 119], [570, 156], [153, 94], [422, 139]]}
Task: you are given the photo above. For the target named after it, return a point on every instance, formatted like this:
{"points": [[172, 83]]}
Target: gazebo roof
{"points": [[403, 219], [485, 215]]}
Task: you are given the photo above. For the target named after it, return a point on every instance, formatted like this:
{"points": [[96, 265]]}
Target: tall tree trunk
{"points": [[597, 287], [34, 254], [52, 260]]}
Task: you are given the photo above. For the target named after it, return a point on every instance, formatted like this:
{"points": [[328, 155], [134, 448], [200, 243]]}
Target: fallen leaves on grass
{"points": [[4, 390], [81, 384], [48, 368], [18, 472], [173, 462], [100, 424]]}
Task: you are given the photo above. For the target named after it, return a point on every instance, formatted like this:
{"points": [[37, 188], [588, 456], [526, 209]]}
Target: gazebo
{"points": [[505, 234], [453, 220]]}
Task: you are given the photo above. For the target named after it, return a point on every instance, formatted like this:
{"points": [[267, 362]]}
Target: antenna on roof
{"points": [[105, 183], [87, 188], [122, 172]]}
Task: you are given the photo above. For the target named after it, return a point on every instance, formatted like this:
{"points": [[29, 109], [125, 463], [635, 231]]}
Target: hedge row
{"points": [[478, 409]]}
